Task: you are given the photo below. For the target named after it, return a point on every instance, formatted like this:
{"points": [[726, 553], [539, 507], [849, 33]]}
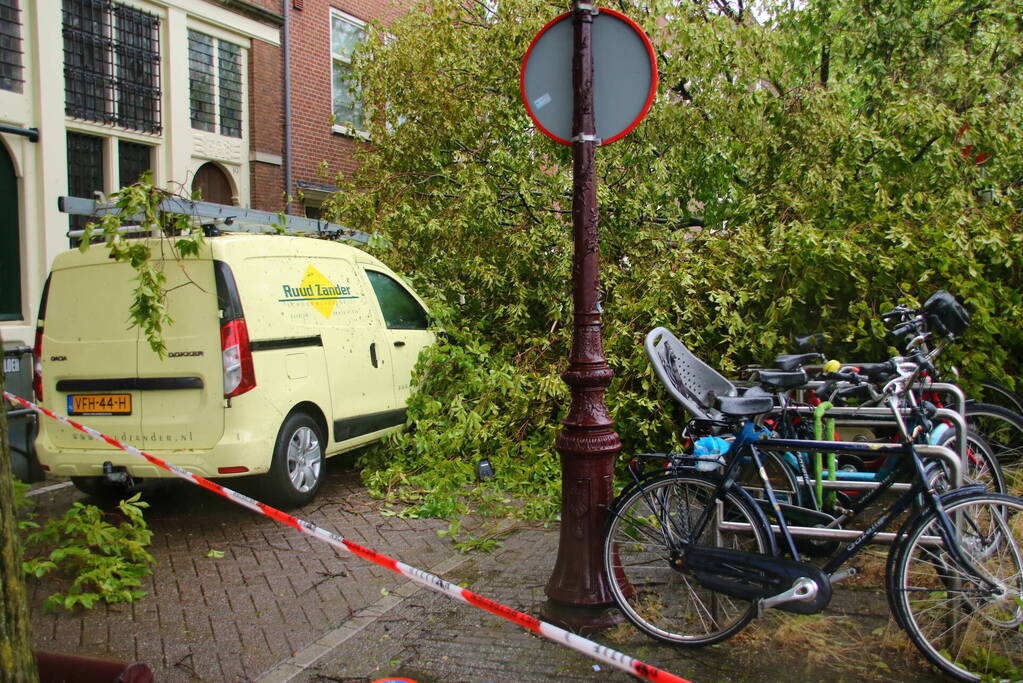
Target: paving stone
{"points": [[280, 607]]}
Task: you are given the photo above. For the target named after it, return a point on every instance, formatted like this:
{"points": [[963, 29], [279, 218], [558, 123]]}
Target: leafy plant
{"points": [[141, 202], [102, 561]]}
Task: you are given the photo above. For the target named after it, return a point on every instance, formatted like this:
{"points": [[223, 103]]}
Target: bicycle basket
{"points": [[945, 315]]}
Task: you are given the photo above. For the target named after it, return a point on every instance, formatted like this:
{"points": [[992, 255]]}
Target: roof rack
{"points": [[210, 215]]}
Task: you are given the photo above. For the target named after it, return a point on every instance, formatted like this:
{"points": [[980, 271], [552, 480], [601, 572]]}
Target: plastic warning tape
{"points": [[427, 580]]}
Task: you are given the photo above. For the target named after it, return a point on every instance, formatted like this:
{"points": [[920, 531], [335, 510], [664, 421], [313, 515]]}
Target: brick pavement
{"points": [[280, 607], [272, 593]]}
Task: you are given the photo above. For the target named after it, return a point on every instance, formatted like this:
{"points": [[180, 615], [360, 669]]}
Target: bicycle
{"points": [[692, 558]]}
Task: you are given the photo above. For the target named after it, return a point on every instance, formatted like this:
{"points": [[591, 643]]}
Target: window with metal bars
{"points": [[84, 171], [215, 84], [133, 160], [112, 64], [11, 68]]}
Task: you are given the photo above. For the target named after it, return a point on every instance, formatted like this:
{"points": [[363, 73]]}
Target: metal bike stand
{"points": [[874, 417], [820, 533], [945, 388]]}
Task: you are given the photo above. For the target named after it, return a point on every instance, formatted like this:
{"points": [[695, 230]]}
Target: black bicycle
{"points": [[692, 557]]}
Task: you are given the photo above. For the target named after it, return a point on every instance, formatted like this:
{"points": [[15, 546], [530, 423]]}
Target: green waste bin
{"points": [[21, 422]]}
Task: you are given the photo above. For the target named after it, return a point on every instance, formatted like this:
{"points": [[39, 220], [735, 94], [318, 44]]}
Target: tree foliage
{"points": [[827, 154]]}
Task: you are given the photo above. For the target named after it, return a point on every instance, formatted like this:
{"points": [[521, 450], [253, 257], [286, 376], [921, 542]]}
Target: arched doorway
{"points": [[10, 240], [213, 184]]}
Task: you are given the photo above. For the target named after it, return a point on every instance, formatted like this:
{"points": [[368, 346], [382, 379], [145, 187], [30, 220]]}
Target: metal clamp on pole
{"points": [[586, 137], [586, 7]]}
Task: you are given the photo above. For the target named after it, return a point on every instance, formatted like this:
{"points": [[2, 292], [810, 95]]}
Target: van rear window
{"points": [[227, 292]]}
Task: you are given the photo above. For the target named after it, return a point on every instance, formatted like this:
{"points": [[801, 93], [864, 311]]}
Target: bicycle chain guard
{"points": [[749, 576]]}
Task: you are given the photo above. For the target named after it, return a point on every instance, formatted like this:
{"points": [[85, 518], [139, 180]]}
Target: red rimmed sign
{"points": [[624, 76]]}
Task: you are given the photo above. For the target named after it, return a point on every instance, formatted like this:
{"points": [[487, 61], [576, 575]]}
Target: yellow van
{"points": [[284, 350]]}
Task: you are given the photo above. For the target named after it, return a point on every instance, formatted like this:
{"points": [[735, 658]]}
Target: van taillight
{"points": [[37, 366], [37, 348], [239, 375]]}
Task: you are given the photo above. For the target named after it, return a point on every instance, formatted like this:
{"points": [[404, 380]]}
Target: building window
{"points": [[11, 71], [215, 84], [84, 171], [112, 64], [345, 35], [133, 160]]}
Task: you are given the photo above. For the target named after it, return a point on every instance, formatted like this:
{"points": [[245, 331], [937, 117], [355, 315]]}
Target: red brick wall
{"points": [[313, 139], [266, 122]]}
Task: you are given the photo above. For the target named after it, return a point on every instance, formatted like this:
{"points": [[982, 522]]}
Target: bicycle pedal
{"points": [[845, 574], [804, 589]]}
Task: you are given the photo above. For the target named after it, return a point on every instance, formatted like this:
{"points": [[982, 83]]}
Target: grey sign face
{"points": [[624, 77]]}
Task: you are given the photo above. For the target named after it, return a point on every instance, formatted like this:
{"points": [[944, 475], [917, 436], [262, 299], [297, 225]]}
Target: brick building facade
{"points": [[315, 36]]}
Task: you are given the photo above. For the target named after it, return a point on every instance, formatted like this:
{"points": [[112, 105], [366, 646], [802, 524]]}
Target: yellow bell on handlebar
{"points": [[832, 366]]}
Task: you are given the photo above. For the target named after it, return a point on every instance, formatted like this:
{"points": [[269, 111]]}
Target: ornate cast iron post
{"points": [[578, 592]]}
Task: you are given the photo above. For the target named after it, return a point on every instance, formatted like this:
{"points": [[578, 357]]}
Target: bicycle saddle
{"points": [[778, 379], [791, 361], [744, 406]]}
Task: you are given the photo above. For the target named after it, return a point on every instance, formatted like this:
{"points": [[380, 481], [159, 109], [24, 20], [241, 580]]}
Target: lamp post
{"points": [[578, 593], [586, 106]]}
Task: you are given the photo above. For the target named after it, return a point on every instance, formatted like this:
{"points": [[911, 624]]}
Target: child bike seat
{"points": [[689, 380]]}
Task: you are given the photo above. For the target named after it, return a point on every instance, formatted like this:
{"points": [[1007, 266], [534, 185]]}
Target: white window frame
{"points": [[336, 58], [218, 38]]}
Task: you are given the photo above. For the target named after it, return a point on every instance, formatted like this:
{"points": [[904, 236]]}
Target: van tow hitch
{"points": [[117, 475]]}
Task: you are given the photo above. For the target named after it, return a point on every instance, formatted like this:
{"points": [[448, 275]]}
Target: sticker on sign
{"points": [[12, 365]]}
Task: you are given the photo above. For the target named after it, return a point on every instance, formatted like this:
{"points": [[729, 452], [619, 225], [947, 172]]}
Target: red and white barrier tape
{"points": [[559, 635]]}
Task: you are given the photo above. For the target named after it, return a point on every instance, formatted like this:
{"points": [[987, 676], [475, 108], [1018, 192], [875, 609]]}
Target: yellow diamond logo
{"points": [[318, 282]]}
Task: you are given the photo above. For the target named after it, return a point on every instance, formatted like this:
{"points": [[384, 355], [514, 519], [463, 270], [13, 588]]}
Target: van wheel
{"points": [[99, 487], [297, 470]]}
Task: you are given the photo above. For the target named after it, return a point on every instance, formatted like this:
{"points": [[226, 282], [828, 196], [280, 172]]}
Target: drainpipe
{"points": [[286, 48]]}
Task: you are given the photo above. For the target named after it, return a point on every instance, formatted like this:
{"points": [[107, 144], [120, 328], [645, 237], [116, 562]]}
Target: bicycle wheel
{"points": [[648, 531], [981, 466], [1003, 430], [966, 627], [1001, 395]]}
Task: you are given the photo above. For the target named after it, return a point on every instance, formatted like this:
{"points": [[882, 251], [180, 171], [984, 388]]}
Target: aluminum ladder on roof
{"points": [[234, 218]]}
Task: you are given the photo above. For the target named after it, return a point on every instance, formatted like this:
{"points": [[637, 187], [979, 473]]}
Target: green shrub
{"points": [[97, 560]]}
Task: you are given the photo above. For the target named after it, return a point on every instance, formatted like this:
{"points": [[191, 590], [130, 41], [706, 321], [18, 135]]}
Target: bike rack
{"points": [[869, 417], [947, 388], [822, 533]]}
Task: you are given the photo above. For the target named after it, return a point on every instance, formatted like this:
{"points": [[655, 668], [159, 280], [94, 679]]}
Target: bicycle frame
{"points": [[748, 444]]}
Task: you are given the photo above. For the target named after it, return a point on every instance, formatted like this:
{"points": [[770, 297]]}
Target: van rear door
{"points": [[90, 349], [182, 397]]}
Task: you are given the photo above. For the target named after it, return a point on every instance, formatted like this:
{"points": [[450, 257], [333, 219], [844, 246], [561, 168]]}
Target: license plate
{"points": [[12, 365], [99, 404]]}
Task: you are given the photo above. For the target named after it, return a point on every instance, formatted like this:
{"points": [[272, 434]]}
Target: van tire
{"points": [[297, 470]]}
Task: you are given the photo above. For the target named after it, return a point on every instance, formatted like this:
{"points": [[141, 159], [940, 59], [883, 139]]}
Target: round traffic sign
{"points": [[624, 76]]}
